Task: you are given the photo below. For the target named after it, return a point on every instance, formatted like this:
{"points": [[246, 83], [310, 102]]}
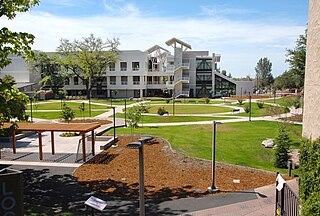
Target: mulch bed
{"points": [[168, 175]]}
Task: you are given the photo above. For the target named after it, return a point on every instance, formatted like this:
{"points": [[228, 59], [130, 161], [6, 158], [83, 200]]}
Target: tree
{"points": [[88, 58], [297, 59], [224, 72], [12, 101], [67, 114], [287, 80], [263, 73], [17, 43], [52, 75], [282, 142]]}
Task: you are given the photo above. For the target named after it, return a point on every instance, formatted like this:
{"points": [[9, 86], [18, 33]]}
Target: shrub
{"points": [[282, 145], [207, 100], [133, 116], [240, 101], [309, 181], [246, 108], [67, 114], [260, 104], [167, 101], [161, 111]]}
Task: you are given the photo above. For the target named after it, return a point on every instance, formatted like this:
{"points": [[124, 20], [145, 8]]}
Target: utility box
{"points": [[11, 192]]}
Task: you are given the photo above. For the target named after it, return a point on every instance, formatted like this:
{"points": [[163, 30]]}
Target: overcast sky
{"points": [[242, 31]]}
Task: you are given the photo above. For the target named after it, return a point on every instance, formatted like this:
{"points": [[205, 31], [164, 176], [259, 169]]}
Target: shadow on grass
{"points": [[46, 193]]}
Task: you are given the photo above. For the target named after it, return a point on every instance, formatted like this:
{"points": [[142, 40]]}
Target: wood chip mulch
{"points": [[168, 175]]}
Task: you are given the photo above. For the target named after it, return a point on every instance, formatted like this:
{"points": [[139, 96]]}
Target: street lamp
{"points": [[139, 145], [125, 110], [213, 188], [31, 99], [249, 106], [114, 124]]}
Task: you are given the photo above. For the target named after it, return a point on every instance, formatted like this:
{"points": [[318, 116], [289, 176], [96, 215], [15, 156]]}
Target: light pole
{"points": [[125, 110], [31, 99], [139, 145], [249, 106], [114, 123], [213, 188]]}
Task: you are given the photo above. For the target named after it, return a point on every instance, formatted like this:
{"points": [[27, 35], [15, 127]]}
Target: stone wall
{"points": [[311, 118]]}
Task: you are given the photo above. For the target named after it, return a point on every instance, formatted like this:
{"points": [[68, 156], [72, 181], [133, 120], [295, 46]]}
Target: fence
{"points": [[286, 199]]}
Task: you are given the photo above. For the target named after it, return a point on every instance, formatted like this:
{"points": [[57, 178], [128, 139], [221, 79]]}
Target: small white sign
{"points": [[281, 182], [96, 203]]}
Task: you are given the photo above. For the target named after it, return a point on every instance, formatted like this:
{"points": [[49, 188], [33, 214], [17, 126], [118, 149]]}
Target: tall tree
{"points": [[263, 73], [52, 75], [88, 58], [288, 80], [297, 58], [17, 43]]}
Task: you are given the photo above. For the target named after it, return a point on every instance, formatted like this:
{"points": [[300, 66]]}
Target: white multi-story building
{"points": [[156, 72]]}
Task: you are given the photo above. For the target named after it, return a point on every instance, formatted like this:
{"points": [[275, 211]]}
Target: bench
{"points": [[236, 110]]}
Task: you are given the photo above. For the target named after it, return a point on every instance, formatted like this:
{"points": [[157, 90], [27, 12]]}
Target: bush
{"points": [[207, 100], [161, 111], [282, 144], [167, 101], [309, 180], [240, 101], [260, 104], [67, 114], [246, 108]]}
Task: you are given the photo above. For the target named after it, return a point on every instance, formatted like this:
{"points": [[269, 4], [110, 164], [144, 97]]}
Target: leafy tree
{"points": [[288, 80], [52, 75], [133, 117], [17, 43], [67, 114], [88, 58], [309, 181], [247, 78], [297, 59], [224, 72], [282, 142], [263, 73]]}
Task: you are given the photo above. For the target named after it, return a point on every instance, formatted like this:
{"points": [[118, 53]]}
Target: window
{"points": [[123, 66], [136, 80], [112, 67], [113, 80], [75, 80], [124, 80], [67, 81], [135, 66], [149, 80]]}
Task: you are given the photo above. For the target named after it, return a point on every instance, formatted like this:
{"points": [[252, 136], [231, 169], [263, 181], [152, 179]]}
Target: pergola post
{"points": [[92, 142], [40, 145], [83, 146], [14, 142], [52, 142]]}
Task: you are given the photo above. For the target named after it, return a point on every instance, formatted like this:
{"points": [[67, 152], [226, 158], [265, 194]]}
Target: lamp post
{"points": [[114, 123], [274, 95], [125, 110], [139, 145], [31, 99], [213, 188], [249, 106]]}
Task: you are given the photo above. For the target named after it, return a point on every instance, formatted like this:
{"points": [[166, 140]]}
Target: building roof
{"points": [[174, 41], [154, 48]]}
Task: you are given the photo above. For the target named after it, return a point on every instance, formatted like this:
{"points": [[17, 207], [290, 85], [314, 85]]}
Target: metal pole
{"points": [[125, 112], [213, 155], [173, 105], [114, 124], [31, 108], [274, 95], [141, 181], [249, 106], [111, 97], [89, 105]]}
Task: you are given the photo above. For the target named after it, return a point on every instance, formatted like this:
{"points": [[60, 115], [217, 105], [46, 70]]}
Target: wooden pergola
{"points": [[82, 128]]}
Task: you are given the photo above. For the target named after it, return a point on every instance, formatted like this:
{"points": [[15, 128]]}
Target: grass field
{"points": [[267, 110], [169, 119], [184, 101], [190, 109], [56, 105], [114, 101], [236, 143], [56, 114]]}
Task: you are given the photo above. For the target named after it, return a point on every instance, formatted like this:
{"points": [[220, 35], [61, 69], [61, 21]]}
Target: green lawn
{"points": [[169, 119], [114, 101], [56, 115], [184, 101], [56, 105], [267, 110], [237, 143], [283, 101], [190, 109]]}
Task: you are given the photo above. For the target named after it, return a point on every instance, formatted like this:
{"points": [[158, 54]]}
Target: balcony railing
{"points": [[112, 83], [136, 82], [124, 82], [112, 69], [123, 69], [135, 69]]}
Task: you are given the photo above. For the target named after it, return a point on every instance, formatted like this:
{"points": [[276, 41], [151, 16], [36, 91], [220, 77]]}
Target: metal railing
{"points": [[286, 201]]}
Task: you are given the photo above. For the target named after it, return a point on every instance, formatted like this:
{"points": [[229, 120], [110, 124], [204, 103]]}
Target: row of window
{"points": [[113, 80], [124, 66]]}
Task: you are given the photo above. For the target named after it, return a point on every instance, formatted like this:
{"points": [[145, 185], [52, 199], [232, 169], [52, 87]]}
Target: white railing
{"points": [[123, 69], [124, 82], [136, 82], [185, 65]]}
